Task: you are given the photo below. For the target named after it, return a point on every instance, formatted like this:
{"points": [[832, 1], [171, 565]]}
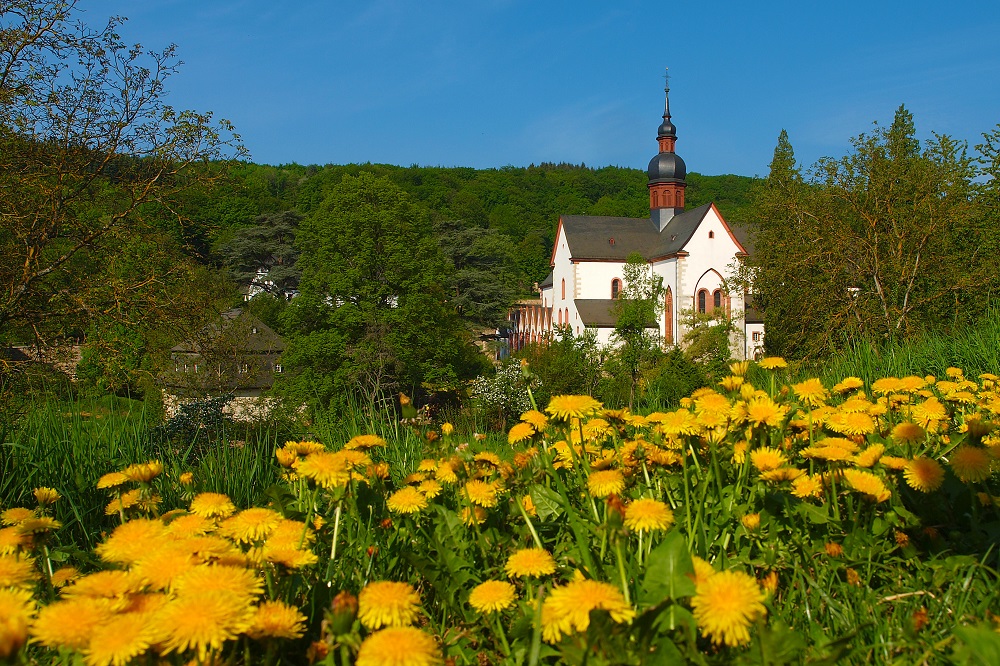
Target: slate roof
{"points": [[262, 338], [547, 282], [600, 312], [590, 236]]}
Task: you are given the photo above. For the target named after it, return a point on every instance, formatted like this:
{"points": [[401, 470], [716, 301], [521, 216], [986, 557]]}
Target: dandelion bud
{"points": [[286, 456], [447, 429], [187, 478], [317, 652], [751, 521], [616, 512], [343, 610], [46, 496]]}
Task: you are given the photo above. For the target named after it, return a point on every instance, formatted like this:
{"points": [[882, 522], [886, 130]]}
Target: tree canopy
{"points": [[888, 241]]}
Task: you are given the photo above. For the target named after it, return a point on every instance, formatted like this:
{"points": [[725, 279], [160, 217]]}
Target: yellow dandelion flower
{"points": [[530, 562], [565, 407], [520, 432], [276, 619], [16, 609], [852, 423], [808, 485], [481, 493], [928, 412], [605, 482], [288, 556], [286, 456], [212, 505], [489, 458], [848, 384], [731, 383], [678, 422], [399, 646], [305, 448], [645, 515], [143, 472], [924, 474], [122, 503], [781, 474], [893, 462], [567, 608], [111, 480], [445, 473], [702, 570], [766, 458], [365, 442], [189, 526], [536, 419], [202, 622], [833, 549], [70, 623], [407, 500], [739, 368], [231, 582], [131, 540], [474, 515], [886, 385], [971, 464], [37, 525], [430, 488], [447, 429], [46, 496], [113, 584], [492, 596], [740, 452], [751, 521], [328, 470], [16, 515], [811, 391], [772, 363], [908, 433], [11, 541], [726, 605], [186, 478], [869, 456], [529, 505], [250, 525], [388, 604], [762, 410], [16, 571], [769, 583], [119, 640], [867, 484], [159, 568], [64, 576]]}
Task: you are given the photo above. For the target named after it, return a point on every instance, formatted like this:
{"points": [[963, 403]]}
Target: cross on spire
{"points": [[666, 92]]}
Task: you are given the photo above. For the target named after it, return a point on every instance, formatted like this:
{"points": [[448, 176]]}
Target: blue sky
{"points": [[487, 83]]}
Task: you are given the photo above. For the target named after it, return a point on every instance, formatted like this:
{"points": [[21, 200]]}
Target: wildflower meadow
{"points": [[765, 522]]}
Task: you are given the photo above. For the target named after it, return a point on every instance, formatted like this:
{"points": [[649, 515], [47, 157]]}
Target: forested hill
{"points": [[523, 204]]}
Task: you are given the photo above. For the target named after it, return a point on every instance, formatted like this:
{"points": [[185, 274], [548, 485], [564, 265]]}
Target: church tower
{"points": [[666, 173]]}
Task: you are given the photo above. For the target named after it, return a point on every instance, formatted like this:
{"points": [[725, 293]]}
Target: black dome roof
{"points": [[667, 129], [666, 168]]}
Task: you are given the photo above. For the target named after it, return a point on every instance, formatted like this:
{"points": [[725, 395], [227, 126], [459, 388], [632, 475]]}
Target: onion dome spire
{"points": [[666, 171]]}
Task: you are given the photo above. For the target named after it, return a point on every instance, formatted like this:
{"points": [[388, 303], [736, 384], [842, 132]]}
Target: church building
{"points": [[694, 251]]}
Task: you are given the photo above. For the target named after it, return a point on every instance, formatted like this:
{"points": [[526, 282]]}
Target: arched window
{"points": [[616, 287], [711, 234], [560, 318], [702, 300], [564, 288], [717, 299]]}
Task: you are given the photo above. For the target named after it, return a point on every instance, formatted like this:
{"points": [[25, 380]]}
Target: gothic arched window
{"points": [[702, 300], [564, 288], [717, 299], [616, 287]]}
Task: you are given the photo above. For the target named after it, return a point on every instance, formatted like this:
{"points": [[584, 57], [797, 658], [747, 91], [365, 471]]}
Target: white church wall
{"points": [[596, 276]]}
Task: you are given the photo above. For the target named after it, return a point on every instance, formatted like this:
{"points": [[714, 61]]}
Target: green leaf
{"points": [[547, 502], [668, 570], [979, 646], [814, 514]]}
